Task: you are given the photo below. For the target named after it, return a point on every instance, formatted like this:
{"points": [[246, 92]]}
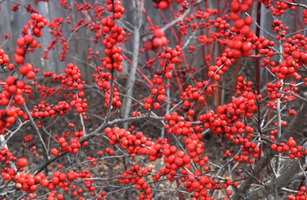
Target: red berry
{"points": [[22, 162], [20, 41]]}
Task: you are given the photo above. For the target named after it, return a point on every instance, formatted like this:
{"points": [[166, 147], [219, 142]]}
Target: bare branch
{"points": [[136, 49]]}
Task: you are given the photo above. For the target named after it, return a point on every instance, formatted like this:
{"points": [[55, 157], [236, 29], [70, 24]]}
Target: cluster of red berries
{"points": [[92, 161], [241, 26], [301, 194], [72, 79], [118, 10], [164, 4], [202, 185], [274, 94], [21, 162], [237, 6], [240, 45], [272, 89], [114, 35], [8, 117], [36, 23], [203, 21], [191, 48], [247, 148], [79, 104], [150, 62], [135, 114], [45, 91], [109, 151], [6, 156], [14, 7], [29, 182], [28, 71], [176, 160], [157, 93], [43, 110], [195, 148], [4, 58], [68, 134], [294, 57], [90, 52], [28, 138], [171, 57], [292, 112], [65, 48], [135, 144], [204, 14], [278, 26], [222, 63], [26, 182], [12, 87], [11, 95], [102, 80], [85, 174], [287, 68], [72, 148], [158, 40], [56, 32], [202, 39], [280, 7], [295, 151], [221, 24], [177, 125], [134, 175], [33, 149], [191, 95]]}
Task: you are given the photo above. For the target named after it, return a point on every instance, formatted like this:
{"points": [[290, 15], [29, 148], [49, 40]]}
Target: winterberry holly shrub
{"points": [[203, 103]]}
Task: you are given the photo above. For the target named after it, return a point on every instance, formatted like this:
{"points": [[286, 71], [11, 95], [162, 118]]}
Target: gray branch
{"points": [[136, 48], [278, 182]]}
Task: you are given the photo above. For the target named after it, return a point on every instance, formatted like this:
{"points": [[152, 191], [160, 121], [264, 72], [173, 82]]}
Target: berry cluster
{"points": [[4, 58], [102, 80], [27, 70], [134, 175], [301, 194], [164, 4], [12, 88], [57, 32], [158, 40], [7, 158], [43, 110], [34, 25], [72, 148], [295, 151], [280, 7], [29, 182], [294, 57], [171, 57], [114, 35]]}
